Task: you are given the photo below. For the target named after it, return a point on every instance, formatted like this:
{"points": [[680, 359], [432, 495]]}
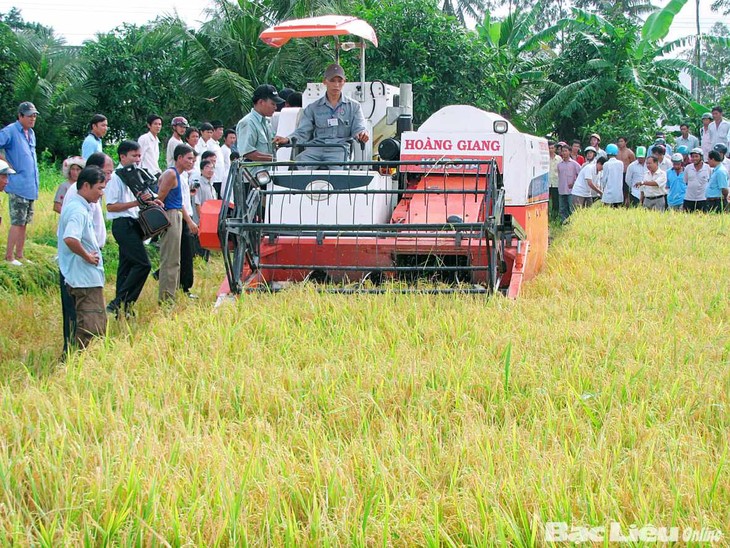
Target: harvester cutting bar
{"points": [[445, 223]]}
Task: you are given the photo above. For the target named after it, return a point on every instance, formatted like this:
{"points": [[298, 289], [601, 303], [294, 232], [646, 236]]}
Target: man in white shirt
{"points": [[696, 175], [149, 146], [208, 143], [719, 128], [635, 174], [705, 137], [613, 178], [229, 143], [179, 126], [653, 186], [123, 211], [587, 184]]}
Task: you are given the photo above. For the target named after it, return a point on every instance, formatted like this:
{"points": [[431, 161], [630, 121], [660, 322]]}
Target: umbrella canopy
{"points": [[326, 25]]}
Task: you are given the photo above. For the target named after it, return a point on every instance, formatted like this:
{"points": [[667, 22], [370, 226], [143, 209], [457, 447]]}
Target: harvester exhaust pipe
{"points": [[405, 120]]}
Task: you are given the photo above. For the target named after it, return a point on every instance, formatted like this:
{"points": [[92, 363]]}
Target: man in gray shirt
{"points": [[330, 120], [687, 140]]}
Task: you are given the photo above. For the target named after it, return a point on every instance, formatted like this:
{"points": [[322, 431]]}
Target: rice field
{"points": [[601, 395]]}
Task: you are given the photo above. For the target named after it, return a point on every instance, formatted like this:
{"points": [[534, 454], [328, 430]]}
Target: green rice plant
{"points": [[298, 418]]}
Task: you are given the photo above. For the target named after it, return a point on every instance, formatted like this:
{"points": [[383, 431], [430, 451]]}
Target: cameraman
{"points": [[123, 211]]}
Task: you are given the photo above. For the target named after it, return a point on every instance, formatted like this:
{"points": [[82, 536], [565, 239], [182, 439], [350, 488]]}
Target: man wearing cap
{"points": [[330, 120], [686, 139], [254, 138], [179, 126], [717, 187], [696, 175], [722, 149], [17, 140], [705, 137], [653, 186], [5, 170], [149, 146], [719, 128], [612, 178], [98, 126], [635, 174], [595, 142], [675, 183]]}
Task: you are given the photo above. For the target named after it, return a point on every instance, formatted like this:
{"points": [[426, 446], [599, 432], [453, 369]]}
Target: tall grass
{"points": [[299, 418]]}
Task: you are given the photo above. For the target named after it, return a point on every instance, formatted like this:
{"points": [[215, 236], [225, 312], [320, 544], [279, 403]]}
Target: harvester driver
{"points": [[330, 120]]}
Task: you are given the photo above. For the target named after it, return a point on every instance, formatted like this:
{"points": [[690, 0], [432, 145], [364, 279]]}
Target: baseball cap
{"points": [[26, 108], [640, 152], [677, 157], [334, 70], [5, 169], [266, 91], [707, 115], [562, 144], [180, 121], [285, 93]]}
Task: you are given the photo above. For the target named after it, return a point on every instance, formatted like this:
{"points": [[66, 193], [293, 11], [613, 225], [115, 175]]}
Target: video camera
{"points": [[139, 181]]}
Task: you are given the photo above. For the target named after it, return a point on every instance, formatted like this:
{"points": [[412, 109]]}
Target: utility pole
{"points": [[698, 52]]}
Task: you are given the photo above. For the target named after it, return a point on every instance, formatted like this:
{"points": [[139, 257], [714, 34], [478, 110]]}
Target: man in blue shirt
{"points": [[18, 142], [717, 188], [330, 120], [97, 129], [675, 183], [79, 256]]}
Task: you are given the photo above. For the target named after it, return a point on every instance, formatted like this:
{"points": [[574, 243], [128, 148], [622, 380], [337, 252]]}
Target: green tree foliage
{"points": [[464, 10], [50, 74], [225, 60], [616, 65], [8, 64], [715, 59], [518, 58], [421, 45], [130, 79]]}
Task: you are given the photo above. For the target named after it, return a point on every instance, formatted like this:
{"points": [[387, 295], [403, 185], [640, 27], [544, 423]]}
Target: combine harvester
{"points": [[461, 203]]}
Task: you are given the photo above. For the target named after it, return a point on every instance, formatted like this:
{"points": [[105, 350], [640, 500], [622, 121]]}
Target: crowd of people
{"points": [[195, 169], [692, 175]]}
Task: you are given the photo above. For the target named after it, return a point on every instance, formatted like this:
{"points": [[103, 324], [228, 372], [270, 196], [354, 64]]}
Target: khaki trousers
{"points": [[170, 256], [90, 313]]}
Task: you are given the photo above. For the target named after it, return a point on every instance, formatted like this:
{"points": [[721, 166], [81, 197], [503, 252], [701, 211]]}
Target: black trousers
{"points": [[68, 315], [187, 276], [715, 205], [134, 264], [692, 205]]}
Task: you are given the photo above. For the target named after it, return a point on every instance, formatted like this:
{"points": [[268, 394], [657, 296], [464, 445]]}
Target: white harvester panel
{"points": [[317, 205], [466, 133]]}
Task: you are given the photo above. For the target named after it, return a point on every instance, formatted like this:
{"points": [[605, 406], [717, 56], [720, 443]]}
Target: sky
{"points": [[79, 20]]}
